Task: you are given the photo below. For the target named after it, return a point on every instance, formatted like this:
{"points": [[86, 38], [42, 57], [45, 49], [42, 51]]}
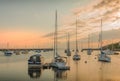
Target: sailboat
{"points": [[58, 62], [7, 52], [102, 56], [76, 56], [89, 51], [67, 51], [108, 51]]}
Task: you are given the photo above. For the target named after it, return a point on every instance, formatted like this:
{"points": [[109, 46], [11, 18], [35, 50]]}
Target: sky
{"points": [[89, 18], [30, 23], [24, 22]]}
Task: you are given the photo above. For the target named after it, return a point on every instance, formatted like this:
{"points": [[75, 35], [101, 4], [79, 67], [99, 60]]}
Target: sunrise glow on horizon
{"points": [[31, 23]]}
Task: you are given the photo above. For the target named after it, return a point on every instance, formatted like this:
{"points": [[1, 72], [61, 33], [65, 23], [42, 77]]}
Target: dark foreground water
{"points": [[15, 68]]}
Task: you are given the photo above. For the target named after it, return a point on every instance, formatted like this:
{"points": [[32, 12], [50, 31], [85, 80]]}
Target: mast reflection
{"points": [[34, 72], [59, 74]]}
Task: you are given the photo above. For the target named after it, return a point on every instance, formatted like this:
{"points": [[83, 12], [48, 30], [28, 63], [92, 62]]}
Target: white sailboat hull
{"points": [[7, 53], [104, 58], [76, 57], [60, 65]]}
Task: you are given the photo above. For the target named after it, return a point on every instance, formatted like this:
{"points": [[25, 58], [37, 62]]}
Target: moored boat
{"points": [[7, 53], [36, 61]]}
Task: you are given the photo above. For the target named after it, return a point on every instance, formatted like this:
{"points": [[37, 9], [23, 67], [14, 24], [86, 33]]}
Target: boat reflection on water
{"points": [[34, 72], [59, 74], [35, 65], [76, 75]]}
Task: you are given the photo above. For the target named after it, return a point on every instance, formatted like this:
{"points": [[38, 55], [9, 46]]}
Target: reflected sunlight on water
{"points": [[15, 68]]}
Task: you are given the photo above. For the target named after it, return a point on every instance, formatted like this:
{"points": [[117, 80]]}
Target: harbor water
{"points": [[15, 68]]}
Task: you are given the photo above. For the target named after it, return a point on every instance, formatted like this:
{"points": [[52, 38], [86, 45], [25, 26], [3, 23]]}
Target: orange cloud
{"points": [[89, 19]]}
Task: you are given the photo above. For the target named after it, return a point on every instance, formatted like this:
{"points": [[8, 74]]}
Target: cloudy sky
{"points": [[30, 23]]}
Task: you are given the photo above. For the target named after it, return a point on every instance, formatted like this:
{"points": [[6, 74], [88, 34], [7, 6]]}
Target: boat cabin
{"points": [[36, 59]]}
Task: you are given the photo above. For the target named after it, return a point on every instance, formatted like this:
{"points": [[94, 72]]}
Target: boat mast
{"points": [[101, 36], [68, 41], [88, 41], [56, 33], [7, 45], [54, 43], [76, 38], [99, 40], [112, 41]]}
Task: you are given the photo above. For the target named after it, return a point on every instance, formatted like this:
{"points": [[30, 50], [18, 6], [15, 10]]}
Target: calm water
{"points": [[15, 68]]}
